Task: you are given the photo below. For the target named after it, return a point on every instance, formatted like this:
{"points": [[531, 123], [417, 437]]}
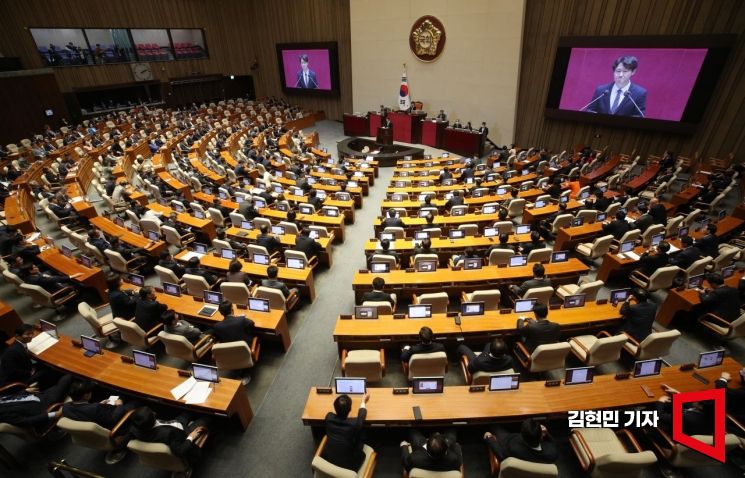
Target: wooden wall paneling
{"points": [[721, 130], [23, 99]]}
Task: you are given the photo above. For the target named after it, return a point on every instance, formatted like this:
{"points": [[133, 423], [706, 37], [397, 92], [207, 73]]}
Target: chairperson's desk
{"points": [[457, 406], [301, 278], [386, 331], [454, 281], [228, 397]]}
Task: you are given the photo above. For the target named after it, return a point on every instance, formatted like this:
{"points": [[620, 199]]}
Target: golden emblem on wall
{"points": [[427, 38]]}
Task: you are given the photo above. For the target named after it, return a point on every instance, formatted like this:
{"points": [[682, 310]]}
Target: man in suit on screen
{"points": [[306, 78], [621, 97]]}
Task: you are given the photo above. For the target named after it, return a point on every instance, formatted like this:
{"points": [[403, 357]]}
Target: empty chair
{"points": [[490, 298], [423, 257], [602, 454], [545, 357], [673, 225], [160, 456], [504, 227], [290, 227], [216, 217], [220, 244], [726, 255], [652, 231], [369, 364], [300, 255], [276, 299], [179, 346], [589, 288], [93, 251], [237, 219], [597, 350], [236, 355], [43, 298], [515, 207], [598, 248], [542, 254], [433, 232], [469, 229], [542, 294], [103, 326], [384, 307], [93, 435], [174, 238], [612, 209], [235, 292], [723, 329], [657, 344], [167, 275], [500, 257], [512, 467], [562, 220], [438, 300], [325, 469], [135, 336], [195, 285], [698, 267], [386, 259], [587, 215], [691, 217], [433, 364], [680, 456], [120, 264], [257, 249], [459, 210], [662, 278]]}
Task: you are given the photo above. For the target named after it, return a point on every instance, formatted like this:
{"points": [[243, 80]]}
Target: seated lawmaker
{"points": [[103, 414], [233, 328], [709, 244], [306, 244], [532, 444], [148, 311], [654, 258], [539, 280], [439, 452], [26, 409], [539, 331], [377, 294], [345, 435], [173, 325], [494, 358], [272, 282], [194, 267], [617, 227], [638, 314], [425, 345], [687, 255], [720, 299]]}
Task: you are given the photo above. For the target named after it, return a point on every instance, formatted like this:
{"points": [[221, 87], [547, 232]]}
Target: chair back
{"points": [[171, 236], [549, 357], [587, 215], [149, 225], [87, 434], [256, 249], [178, 346], [364, 363], [90, 316], [221, 244], [290, 227], [325, 469], [662, 278], [606, 349], [623, 464], [673, 224], [434, 232], [726, 256], [691, 217], [166, 275], [157, 455], [131, 333], [601, 246], [632, 235], [398, 232], [384, 307], [236, 219], [422, 473], [500, 257], [262, 221], [424, 257], [321, 230], [516, 468], [12, 279], [293, 254], [438, 300], [651, 231], [433, 364], [737, 328], [232, 355], [195, 285], [216, 217], [490, 298], [385, 258], [657, 344], [543, 294], [504, 227], [38, 295], [590, 289], [235, 292], [698, 266], [515, 207], [470, 229], [542, 254], [562, 220], [684, 457], [275, 297], [116, 261]]}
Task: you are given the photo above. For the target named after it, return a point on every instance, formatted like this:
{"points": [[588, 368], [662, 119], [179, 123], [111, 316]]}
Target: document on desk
{"points": [[672, 249], [76, 199], [199, 394], [183, 388], [34, 236], [632, 255], [41, 342], [191, 254]]}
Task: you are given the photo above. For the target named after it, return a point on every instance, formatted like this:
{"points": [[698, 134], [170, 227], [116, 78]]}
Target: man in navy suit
{"points": [[619, 97], [306, 78]]}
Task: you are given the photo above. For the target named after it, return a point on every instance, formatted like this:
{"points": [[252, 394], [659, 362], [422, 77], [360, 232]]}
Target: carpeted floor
{"points": [[276, 443]]}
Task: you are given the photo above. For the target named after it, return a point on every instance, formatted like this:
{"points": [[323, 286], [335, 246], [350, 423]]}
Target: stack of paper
{"points": [[191, 254], [41, 342], [192, 391], [632, 255]]}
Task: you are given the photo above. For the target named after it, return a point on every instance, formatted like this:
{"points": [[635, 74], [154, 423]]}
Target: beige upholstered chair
{"points": [[490, 298], [173, 238], [398, 232], [276, 299], [120, 264], [423, 257], [598, 248], [516, 468], [135, 336], [438, 300], [103, 326], [587, 215], [236, 355], [726, 255], [590, 289], [469, 229], [662, 278], [651, 231], [545, 357], [235, 292], [597, 350], [43, 298], [167, 275], [159, 455], [433, 364], [325, 469], [195, 285], [631, 235], [422, 473], [723, 329], [656, 344], [602, 454], [542, 294], [92, 435], [500, 257], [478, 378], [384, 307], [562, 220], [293, 254], [516, 207], [363, 363], [504, 227], [680, 456], [698, 267], [385, 258], [178, 346], [673, 224], [542, 254], [257, 249]]}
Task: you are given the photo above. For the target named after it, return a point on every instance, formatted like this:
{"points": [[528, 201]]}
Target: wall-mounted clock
{"points": [[142, 71]]}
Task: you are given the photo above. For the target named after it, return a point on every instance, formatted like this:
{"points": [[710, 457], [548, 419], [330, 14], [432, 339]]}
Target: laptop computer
{"points": [[579, 375]]}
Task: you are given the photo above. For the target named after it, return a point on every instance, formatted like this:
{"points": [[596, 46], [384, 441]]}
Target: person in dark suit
{"points": [[16, 364], [539, 280], [720, 300], [49, 282], [196, 269], [644, 220], [308, 245], [540, 331], [306, 78], [392, 220], [101, 413], [269, 241], [536, 242], [377, 294], [233, 328], [688, 255], [555, 189], [734, 396], [439, 452], [97, 238], [617, 227], [532, 444], [385, 249], [148, 311], [621, 97], [123, 303], [178, 434], [652, 260], [344, 435], [315, 200], [167, 261], [709, 244], [601, 202], [271, 281], [494, 357], [697, 417], [425, 345], [26, 409], [657, 211], [456, 200], [638, 315]]}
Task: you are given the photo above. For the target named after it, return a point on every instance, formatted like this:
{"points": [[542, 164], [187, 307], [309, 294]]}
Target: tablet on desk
{"points": [[524, 305], [427, 265], [380, 267], [91, 346], [695, 282], [518, 261], [457, 233], [365, 312], [468, 309], [619, 295], [207, 311], [295, 263], [504, 382], [258, 258], [66, 251], [572, 301], [523, 229], [212, 297], [559, 256], [472, 263], [247, 225], [627, 246], [172, 289], [207, 373], [350, 385], [490, 232], [579, 375], [199, 248], [86, 260], [49, 328], [647, 368], [258, 305], [228, 254], [144, 359], [137, 279], [420, 311], [428, 384], [710, 359]]}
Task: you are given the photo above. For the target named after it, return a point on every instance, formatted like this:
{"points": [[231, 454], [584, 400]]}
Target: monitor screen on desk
{"points": [[627, 246], [297, 192], [658, 238], [137, 279], [365, 312], [66, 251], [504, 382], [212, 297], [144, 359], [259, 203], [619, 295], [380, 267], [579, 375], [578, 221], [421, 235], [228, 254], [86, 261], [282, 207], [722, 214], [682, 232], [222, 195], [135, 228], [457, 234], [198, 214], [387, 235], [523, 229], [728, 271], [694, 282], [539, 204], [710, 359], [178, 207], [90, 345], [428, 384], [295, 263], [306, 209], [647, 368], [200, 248], [564, 199], [490, 209], [472, 263], [119, 221], [278, 230], [247, 225], [153, 236], [572, 301], [258, 305], [584, 195], [49, 328], [472, 308], [258, 258], [206, 373], [422, 311], [518, 261], [524, 305], [501, 191], [560, 256], [491, 232], [350, 386], [601, 217], [172, 289]]}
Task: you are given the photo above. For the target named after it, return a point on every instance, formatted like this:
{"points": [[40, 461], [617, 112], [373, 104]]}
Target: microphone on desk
{"points": [[628, 95], [593, 101]]}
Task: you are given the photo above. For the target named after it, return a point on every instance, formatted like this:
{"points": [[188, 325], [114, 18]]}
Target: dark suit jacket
{"points": [[233, 328], [638, 319], [392, 222], [148, 312], [15, 365], [270, 242], [312, 82], [643, 222], [421, 348], [649, 263], [344, 445], [486, 363], [198, 271], [174, 266], [708, 245], [377, 296], [308, 245], [539, 332], [723, 301], [617, 228], [419, 458], [103, 414], [734, 399], [275, 284], [533, 283], [686, 257], [513, 445], [173, 437], [122, 304], [625, 107], [602, 203], [659, 214], [695, 422]]}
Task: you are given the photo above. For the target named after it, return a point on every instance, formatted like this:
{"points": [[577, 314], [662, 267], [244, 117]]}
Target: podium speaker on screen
{"points": [[621, 97], [306, 78]]}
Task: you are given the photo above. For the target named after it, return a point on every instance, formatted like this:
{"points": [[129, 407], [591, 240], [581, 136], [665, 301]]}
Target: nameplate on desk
{"points": [[76, 343], [184, 373], [198, 299], [554, 306], [400, 391], [601, 301], [363, 271], [505, 311], [324, 390], [622, 375], [409, 269], [399, 316], [159, 290], [241, 306], [345, 317], [127, 359], [687, 366], [553, 383], [477, 388]]}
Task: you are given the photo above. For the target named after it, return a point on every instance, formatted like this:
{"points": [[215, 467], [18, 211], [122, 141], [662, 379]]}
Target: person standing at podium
{"points": [[387, 123]]}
